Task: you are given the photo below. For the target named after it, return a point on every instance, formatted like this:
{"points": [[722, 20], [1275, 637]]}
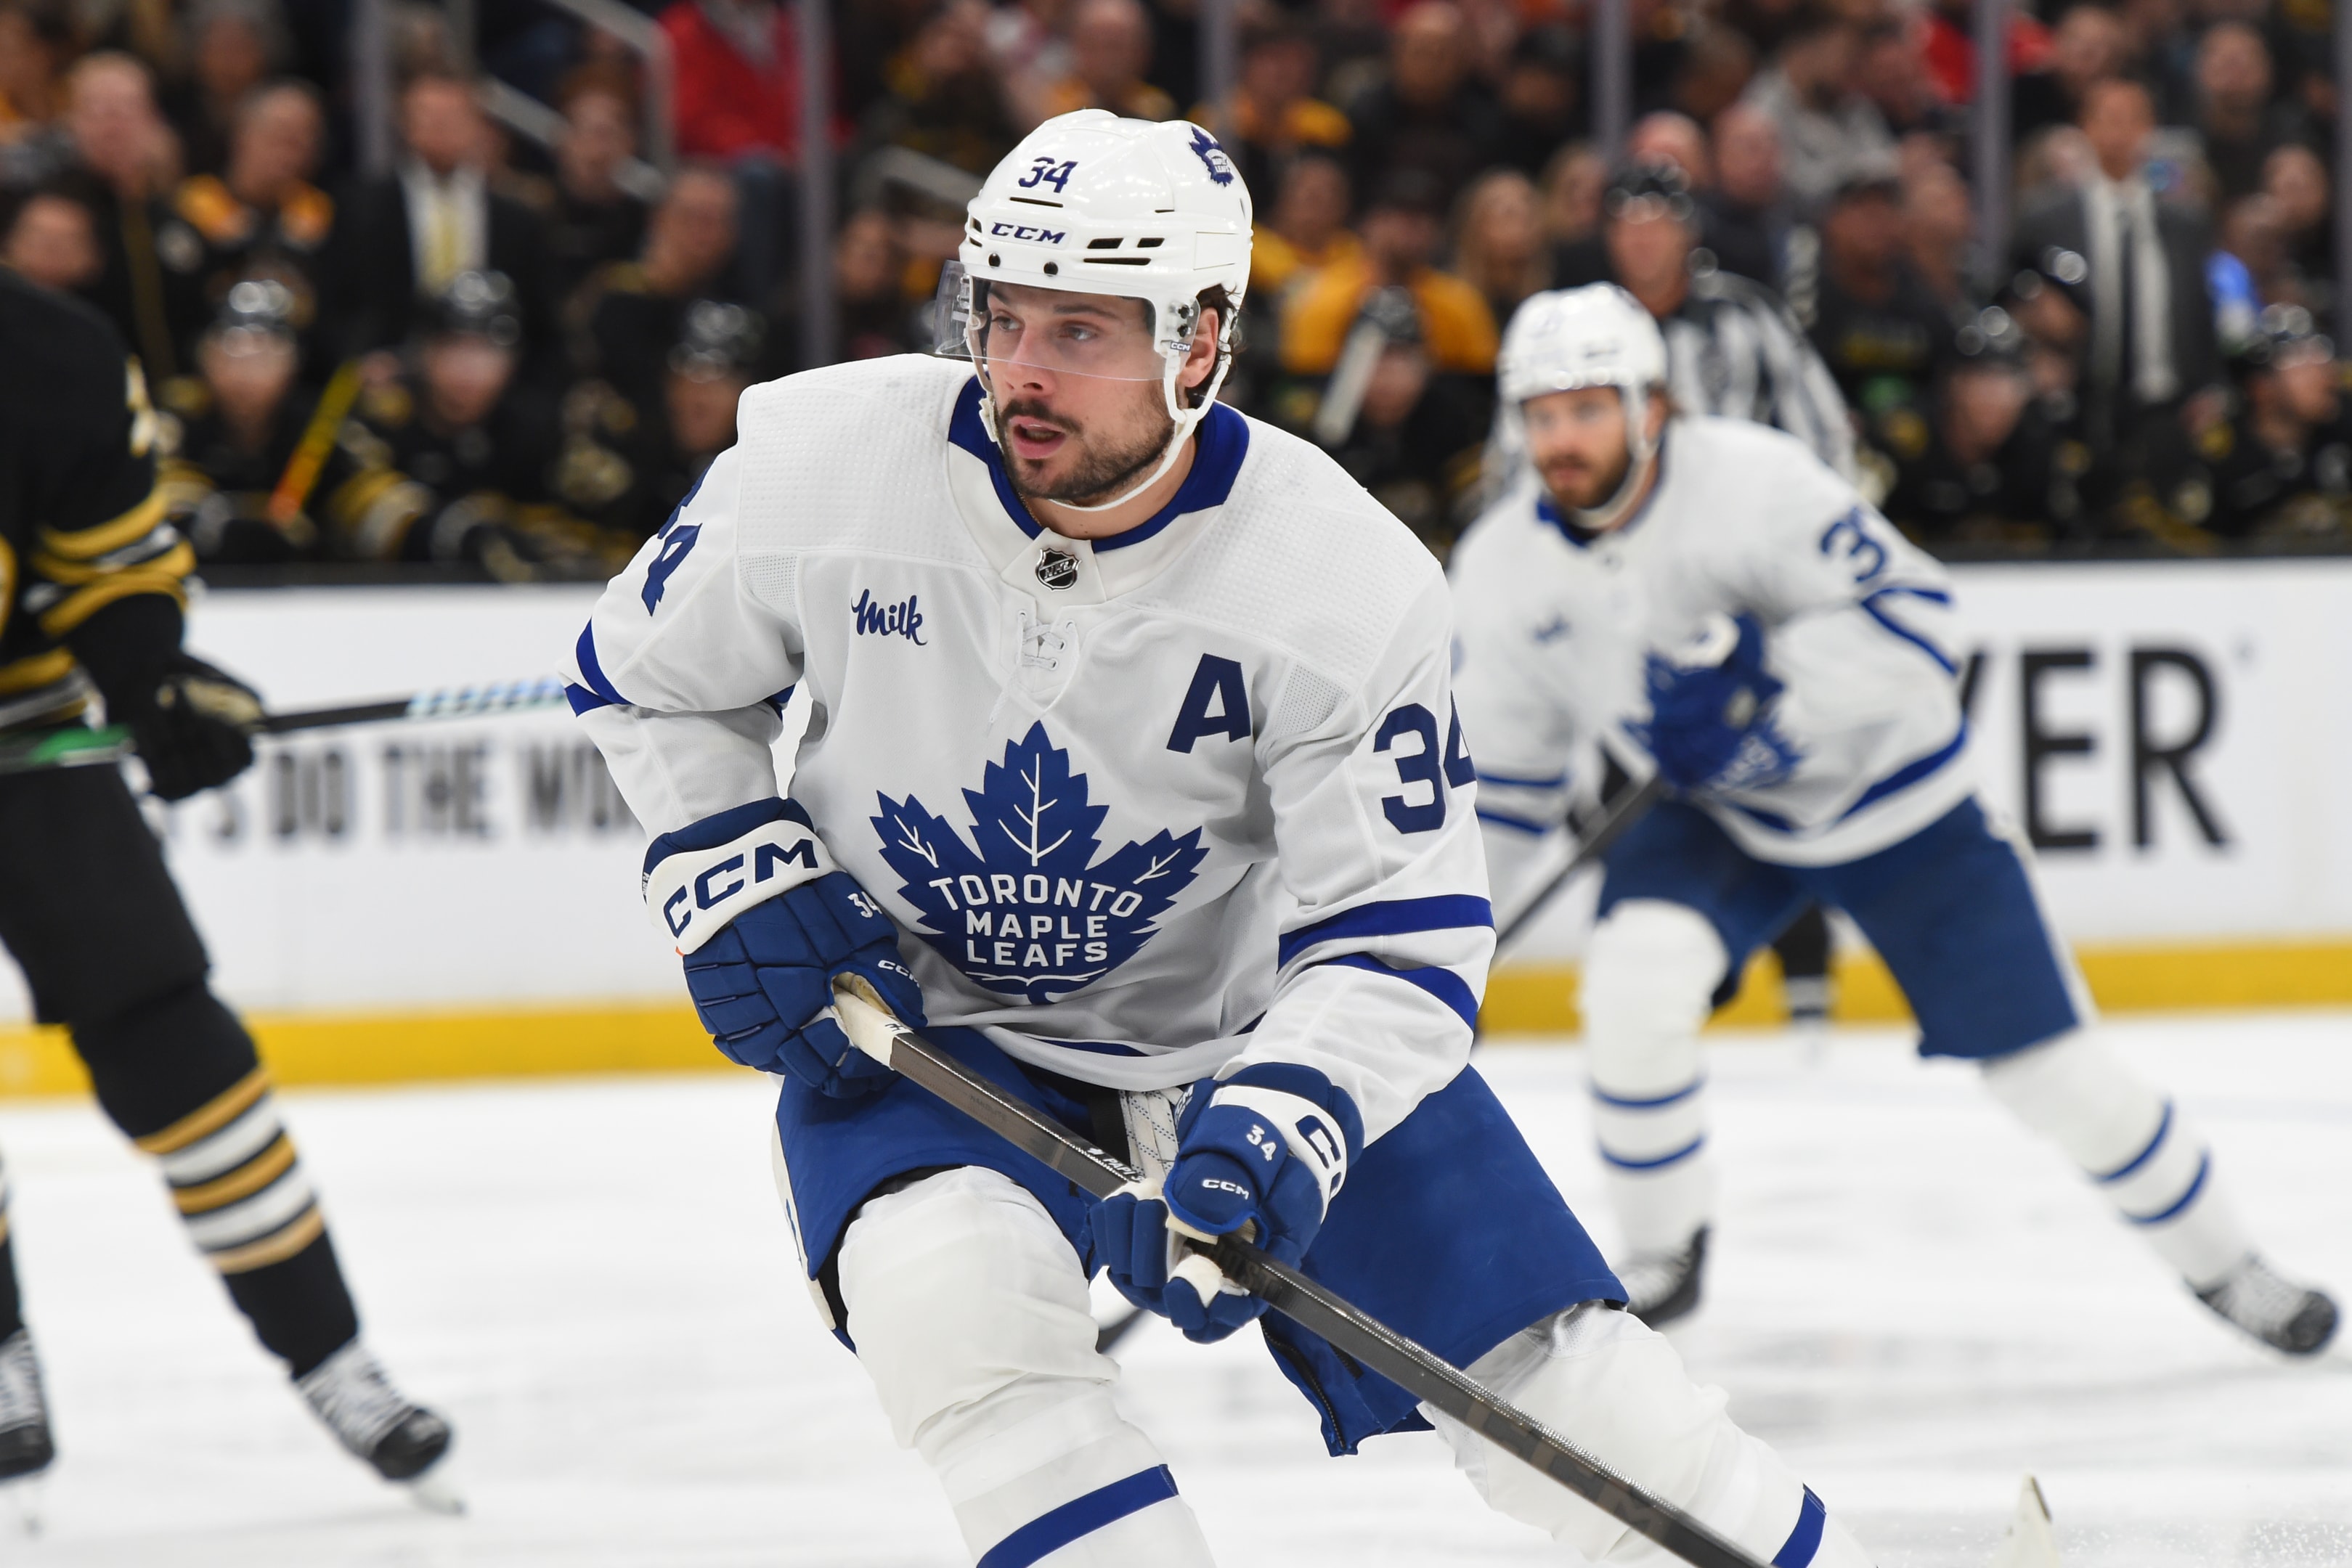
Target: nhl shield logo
{"points": [[1057, 570]]}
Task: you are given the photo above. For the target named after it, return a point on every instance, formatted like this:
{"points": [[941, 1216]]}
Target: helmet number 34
{"points": [[1047, 173]]}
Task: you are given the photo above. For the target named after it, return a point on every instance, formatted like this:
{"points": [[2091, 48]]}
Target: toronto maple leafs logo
{"points": [[1025, 908], [1221, 168]]}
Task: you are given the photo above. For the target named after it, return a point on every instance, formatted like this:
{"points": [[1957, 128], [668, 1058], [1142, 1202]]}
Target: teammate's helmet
{"points": [[1097, 204], [1597, 336]]}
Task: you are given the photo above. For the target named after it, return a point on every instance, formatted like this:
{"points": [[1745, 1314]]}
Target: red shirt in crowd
{"points": [[728, 105]]}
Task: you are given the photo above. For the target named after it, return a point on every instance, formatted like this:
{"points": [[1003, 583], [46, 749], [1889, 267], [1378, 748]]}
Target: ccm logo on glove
{"points": [[693, 895]]}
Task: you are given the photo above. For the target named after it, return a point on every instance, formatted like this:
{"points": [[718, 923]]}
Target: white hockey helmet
{"points": [[1097, 204], [1596, 336]]}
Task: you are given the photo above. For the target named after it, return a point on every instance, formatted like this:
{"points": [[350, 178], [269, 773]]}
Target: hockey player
{"points": [[1710, 591], [1132, 767], [88, 908]]}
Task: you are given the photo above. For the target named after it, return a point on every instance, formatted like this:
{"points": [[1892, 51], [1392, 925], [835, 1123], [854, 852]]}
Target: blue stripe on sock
{"points": [[2163, 1126], [1080, 1516], [1806, 1539], [1685, 1152], [2204, 1164], [1620, 1102]]}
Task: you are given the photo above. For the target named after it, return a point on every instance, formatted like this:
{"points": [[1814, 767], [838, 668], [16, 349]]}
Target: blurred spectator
{"points": [[1401, 232], [2089, 45], [405, 238], [630, 479], [1746, 219], [1987, 465], [942, 100], [1572, 183], [630, 314], [1500, 250], [1306, 229], [594, 220], [1428, 115], [1110, 60], [1811, 93], [1892, 76], [1937, 227], [1950, 50], [1715, 71], [872, 314], [261, 216], [127, 160], [1275, 114], [36, 41], [232, 46], [735, 66], [2295, 184], [1542, 94], [1732, 348], [1878, 329], [2282, 467], [2247, 269], [2138, 268], [2237, 117], [1667, 136], [1414, 436], [1029, 50], [52, 241]]}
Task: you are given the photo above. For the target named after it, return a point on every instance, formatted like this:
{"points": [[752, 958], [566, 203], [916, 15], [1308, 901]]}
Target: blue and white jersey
{"points": [[1555, 626], [1143, 808]]}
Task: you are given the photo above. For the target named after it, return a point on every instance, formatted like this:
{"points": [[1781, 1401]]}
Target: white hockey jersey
{"points": [[1555, 626], [1189, 796]]}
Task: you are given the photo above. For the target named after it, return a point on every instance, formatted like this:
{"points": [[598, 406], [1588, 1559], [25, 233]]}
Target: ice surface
{"points": [[1909, 1297]]}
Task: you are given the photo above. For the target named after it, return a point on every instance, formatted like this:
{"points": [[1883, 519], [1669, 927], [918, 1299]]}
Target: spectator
{"points": [[2296, 183], [52, 241], [1401, 232], [1715, 71], [2236, 117], [1732, 348], [1428, 115], [228, 473], [594, 220], [1892, 76], [1500, 250], [2282, 469], [1746, 219], [1667, 136], [736, 66], [126, 161], [630, 314], [2247, 269], [872, 314], [261, 215], [1989, 465], [1029, 52], [1275, 114], [1414, 439], [1876, 325], [1110, 60], [1572, 183], [36, 41], [942, 99], [634, 481], [1937, 227], [1307, 228], [1810, 92], [2089, 45], [1541, 96], [410, 235], [2138, 268], [233, 45]]}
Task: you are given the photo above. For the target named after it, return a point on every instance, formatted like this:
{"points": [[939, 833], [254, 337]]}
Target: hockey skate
{"points": [[25, 1448], [2273, 1308], [1663, 1286], [401, 1440]]}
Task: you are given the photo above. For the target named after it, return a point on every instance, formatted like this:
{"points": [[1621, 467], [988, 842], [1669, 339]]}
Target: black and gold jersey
{"points": [[83, 523]]}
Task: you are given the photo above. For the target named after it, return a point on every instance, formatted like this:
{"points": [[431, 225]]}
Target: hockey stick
{"points": [[1594, 845], [73, 748], [1352, 1331]]}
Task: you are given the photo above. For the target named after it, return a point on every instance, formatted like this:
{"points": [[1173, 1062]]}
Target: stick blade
{"points": [[2030, 1542]]}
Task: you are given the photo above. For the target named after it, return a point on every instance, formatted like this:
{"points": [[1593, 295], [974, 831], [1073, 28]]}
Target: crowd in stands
{"points": [[515, 359]]}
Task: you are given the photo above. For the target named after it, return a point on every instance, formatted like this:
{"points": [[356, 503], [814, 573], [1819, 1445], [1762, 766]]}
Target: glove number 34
{"points": [[1439, 770], [1858, 546]]}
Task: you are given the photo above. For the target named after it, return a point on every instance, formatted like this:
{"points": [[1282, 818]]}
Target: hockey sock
{"points": [[1617, 1389], [2133, 1141], [12, 1305], [970, 1311], [1648, 973], [179, 1076]]}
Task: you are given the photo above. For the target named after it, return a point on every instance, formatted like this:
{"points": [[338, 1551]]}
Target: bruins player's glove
{"points": [[195, 730]]}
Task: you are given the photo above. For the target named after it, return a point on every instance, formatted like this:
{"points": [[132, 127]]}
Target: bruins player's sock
{"points": [[181, 1077]]}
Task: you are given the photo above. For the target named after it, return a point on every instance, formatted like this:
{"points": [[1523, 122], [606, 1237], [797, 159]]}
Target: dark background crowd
{"points": [[514, 353]]}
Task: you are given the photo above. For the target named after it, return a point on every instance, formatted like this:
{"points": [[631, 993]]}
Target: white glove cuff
{"points": [[693, 895], [1308, 1131]]}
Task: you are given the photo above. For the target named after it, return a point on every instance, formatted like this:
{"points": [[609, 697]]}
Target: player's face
{"points": [[1577, 440], [1075, 379]]}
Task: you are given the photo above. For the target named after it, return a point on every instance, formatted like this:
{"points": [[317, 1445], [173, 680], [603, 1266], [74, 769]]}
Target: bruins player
{"points": [[93, 607]]}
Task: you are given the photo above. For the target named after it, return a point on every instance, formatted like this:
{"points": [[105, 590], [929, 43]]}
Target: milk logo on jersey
{"points": [[1027, 906], [1221, 168], [873, 618]]}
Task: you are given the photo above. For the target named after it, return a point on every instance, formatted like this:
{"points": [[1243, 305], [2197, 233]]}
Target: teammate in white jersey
{"points": [[1131, 768], [1705, 598]]}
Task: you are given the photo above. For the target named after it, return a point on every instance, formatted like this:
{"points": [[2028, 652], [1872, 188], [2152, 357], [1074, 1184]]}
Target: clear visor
{"points": [[1546, 409], [1012, 328]]}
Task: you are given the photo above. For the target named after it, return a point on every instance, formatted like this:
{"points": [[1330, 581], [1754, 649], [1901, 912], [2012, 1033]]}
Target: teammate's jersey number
{"points": [[1439, 771], [1849, 536]]}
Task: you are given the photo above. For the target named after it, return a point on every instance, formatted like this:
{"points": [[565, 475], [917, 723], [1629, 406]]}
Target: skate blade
{"points": [[20, 1498], [2029, 1543], [433, 1492]]}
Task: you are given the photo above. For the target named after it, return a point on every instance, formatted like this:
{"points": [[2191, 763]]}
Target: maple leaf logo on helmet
{"points": [[1221, 168]]}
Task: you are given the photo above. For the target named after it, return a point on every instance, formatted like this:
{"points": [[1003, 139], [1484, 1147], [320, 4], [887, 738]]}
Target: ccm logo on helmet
{"points": [[1030, 232]]}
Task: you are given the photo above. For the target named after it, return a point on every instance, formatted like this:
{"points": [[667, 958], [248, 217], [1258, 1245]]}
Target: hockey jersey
{"points": [[1556, 623], [1189, 796]]}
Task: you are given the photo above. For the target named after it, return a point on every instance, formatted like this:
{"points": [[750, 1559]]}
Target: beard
{"points": [[1101, 470], [1580, 486]]}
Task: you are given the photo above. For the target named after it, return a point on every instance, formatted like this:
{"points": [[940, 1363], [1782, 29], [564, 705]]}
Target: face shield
{"points": [[1009, 332]]}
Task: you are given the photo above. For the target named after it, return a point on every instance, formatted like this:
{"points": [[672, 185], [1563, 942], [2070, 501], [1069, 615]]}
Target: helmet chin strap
{"points": [[1641, 456], [1186, 420]]}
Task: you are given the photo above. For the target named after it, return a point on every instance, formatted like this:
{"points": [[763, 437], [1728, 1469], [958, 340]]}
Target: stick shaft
{"points": [[1418, 1371], [1596, 843]]}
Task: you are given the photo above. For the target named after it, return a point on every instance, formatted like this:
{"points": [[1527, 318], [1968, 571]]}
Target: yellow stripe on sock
{"points": [[243, 1182], [306, 1228], [223, 1109]]}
